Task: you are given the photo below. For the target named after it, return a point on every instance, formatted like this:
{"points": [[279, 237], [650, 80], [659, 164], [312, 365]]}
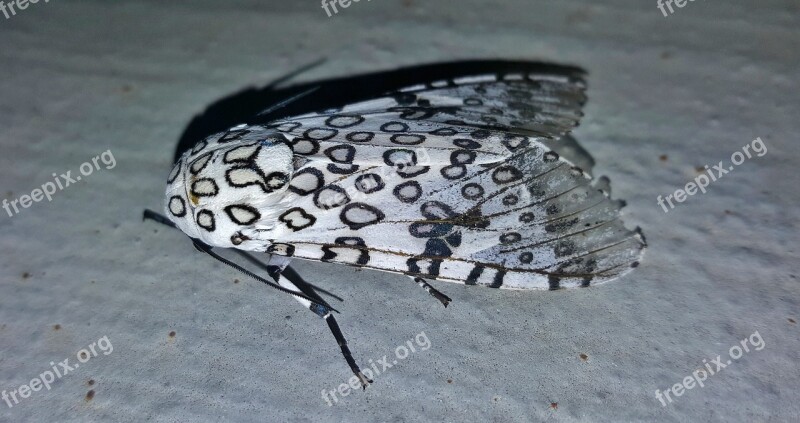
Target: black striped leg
{"points": [[288, 272], [275, 267], [444, 299]]}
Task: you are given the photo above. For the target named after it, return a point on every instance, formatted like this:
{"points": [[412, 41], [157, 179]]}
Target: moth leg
{"points": [[275, 267], [288, 272], [444, 299]]}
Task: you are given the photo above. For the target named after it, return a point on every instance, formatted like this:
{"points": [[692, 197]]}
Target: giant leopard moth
{"points": [[456, 178]]}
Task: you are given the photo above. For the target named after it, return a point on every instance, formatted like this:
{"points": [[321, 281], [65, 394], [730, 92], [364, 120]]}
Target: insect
{"points": [[455, 179]]}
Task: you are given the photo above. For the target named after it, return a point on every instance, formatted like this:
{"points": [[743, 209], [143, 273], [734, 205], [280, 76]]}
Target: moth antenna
{"points": [[149, 214], [289, 100], [296, 72]]}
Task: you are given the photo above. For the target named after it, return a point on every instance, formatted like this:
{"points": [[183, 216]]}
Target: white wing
{"points": [[456, 181]]}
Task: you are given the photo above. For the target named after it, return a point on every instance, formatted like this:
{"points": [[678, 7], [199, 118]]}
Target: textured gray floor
{"points": [[82, 77]]}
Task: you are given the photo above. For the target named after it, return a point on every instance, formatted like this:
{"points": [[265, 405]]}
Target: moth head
{"points": [[229, 186]]}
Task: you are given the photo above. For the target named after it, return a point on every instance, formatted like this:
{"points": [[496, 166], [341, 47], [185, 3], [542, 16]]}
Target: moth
{"points": [[459, 179]]}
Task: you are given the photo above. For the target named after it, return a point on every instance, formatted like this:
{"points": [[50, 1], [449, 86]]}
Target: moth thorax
{"points": [[227, 189]]}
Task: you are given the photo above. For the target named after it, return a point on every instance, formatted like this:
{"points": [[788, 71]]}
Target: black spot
{"points": [[554, 282], [369, 183], [277, 180], [400, 158], [285, 126], [176, 170], [394, 126], [296, 218], [235, 135], [564, 248], [177, 206], [462, 157], [536, 190], [526, 217], [412, 171], [550, 156], [446, 132], [407, 139], [474, 274], [341, 153], [435, 247], [454, 172], [360, 136], [429, 230], [342, 170], [431, 270], [414, 113], [232, 210], [454, 239], [228, 157], [510, 238], [497, 282], [436, 210], [514, 142], [344, 121], [359, 215], [506, 174], [480, 134], [208, 224], [260, 181], [510, 200], [316, 174], [199, 164], [526, 257], [467, 143], [408, 192], [199, 147], [472, 191], [330, 197], [320, 134], [560, 226], [281, 249], [304, 146], [349, 243], [552, 209], [207, 182]]}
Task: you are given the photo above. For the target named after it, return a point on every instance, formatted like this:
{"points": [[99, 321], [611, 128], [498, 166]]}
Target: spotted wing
{"points": [[454, 181], [483, 114]]}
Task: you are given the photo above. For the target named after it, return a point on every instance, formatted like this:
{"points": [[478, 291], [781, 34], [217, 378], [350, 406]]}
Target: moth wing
{"points": [[457, 181], [484, 114], [530, 222]]}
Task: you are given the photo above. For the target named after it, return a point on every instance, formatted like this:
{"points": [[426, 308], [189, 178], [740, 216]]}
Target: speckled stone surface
{"points": [[666, 95]]}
